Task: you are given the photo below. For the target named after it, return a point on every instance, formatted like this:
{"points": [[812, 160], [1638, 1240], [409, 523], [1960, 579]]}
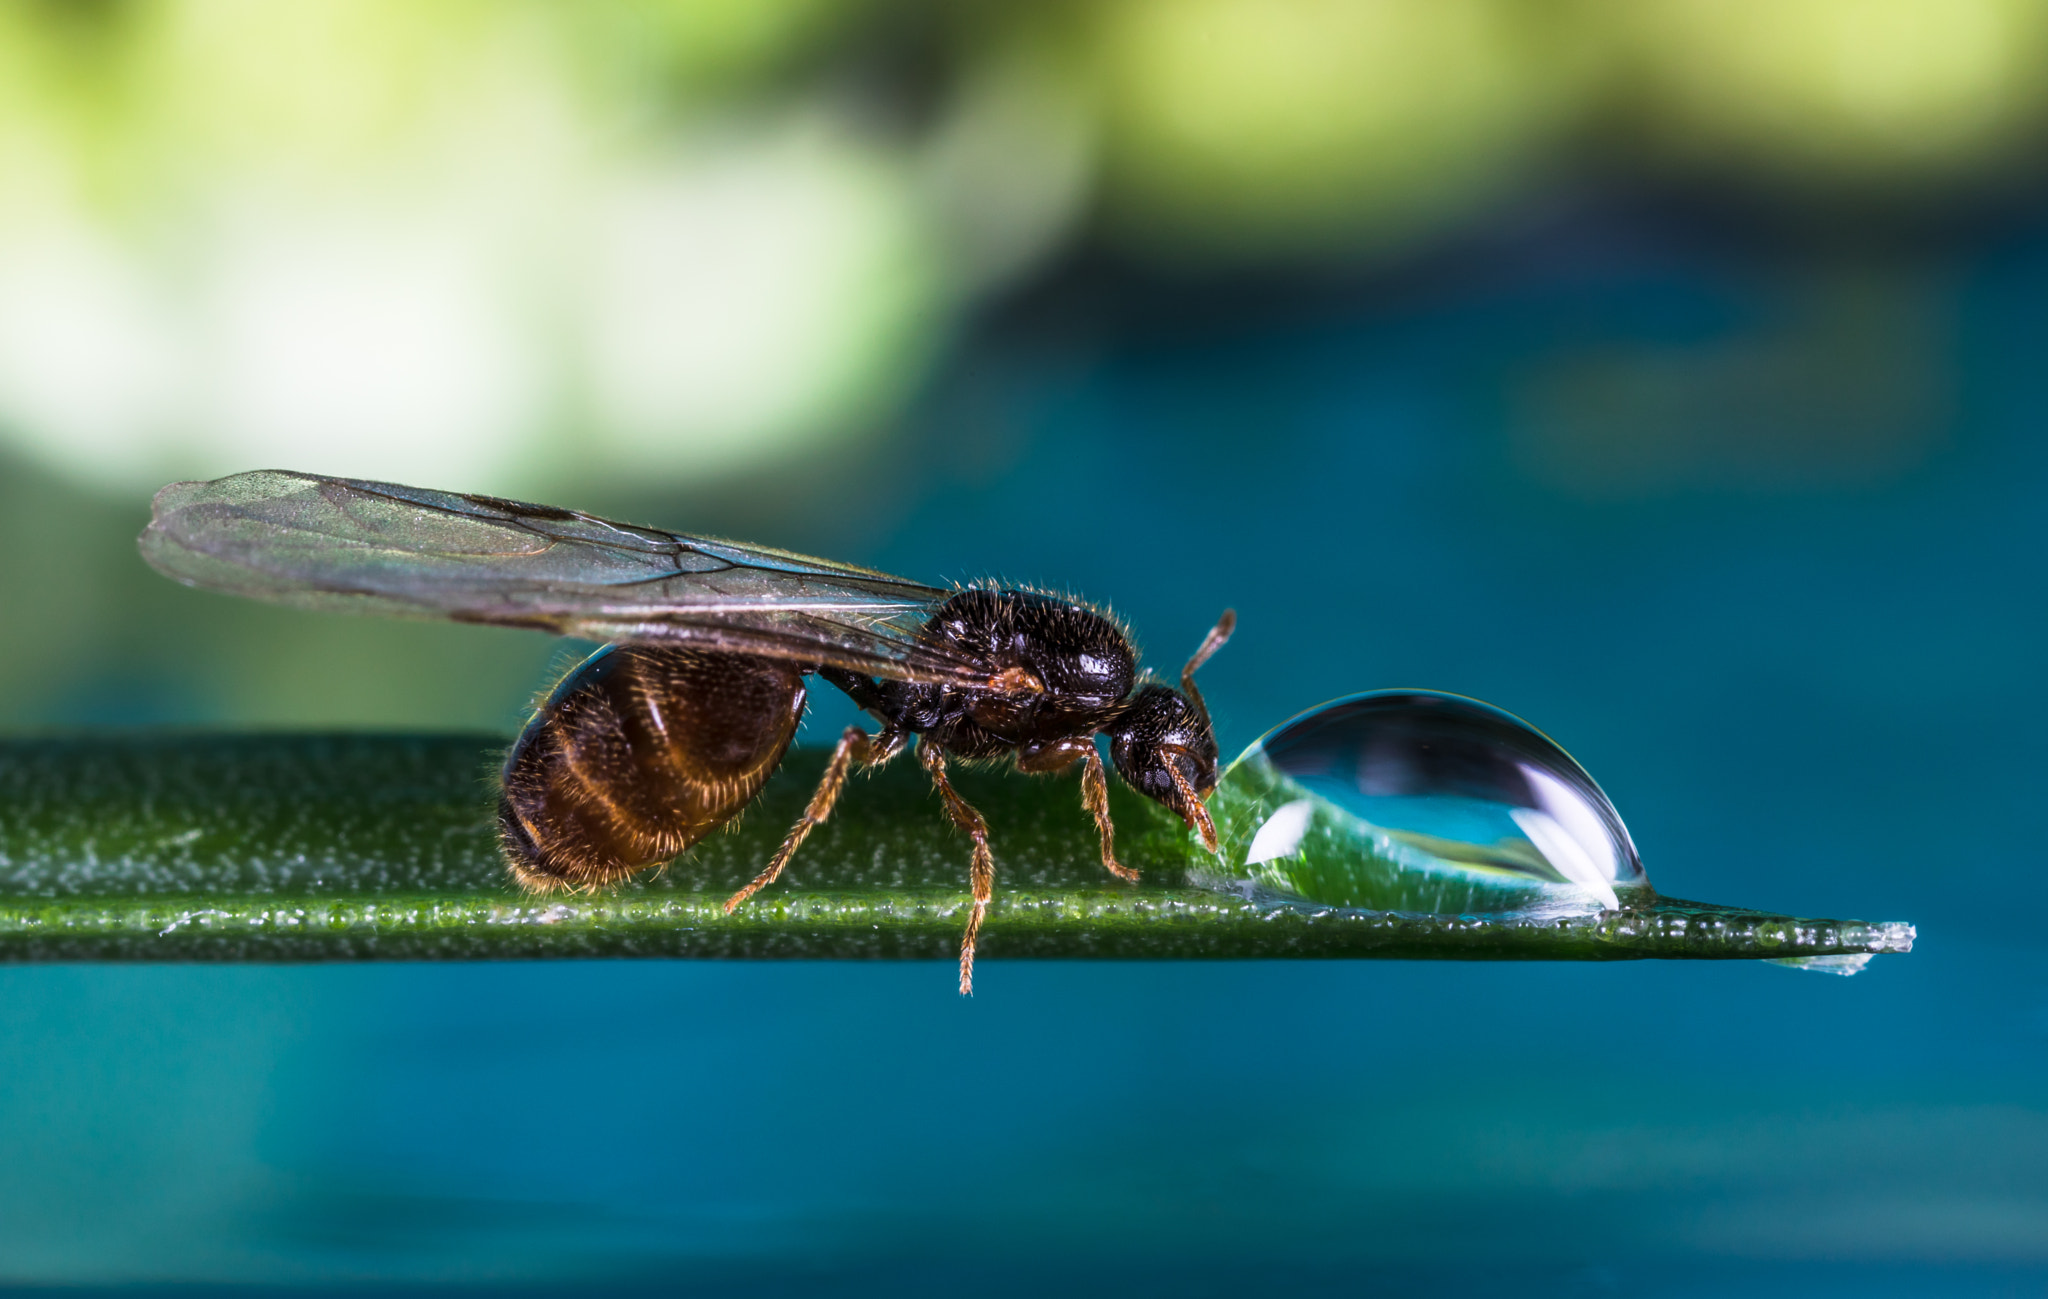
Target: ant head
{"points": [[1164, 746]]}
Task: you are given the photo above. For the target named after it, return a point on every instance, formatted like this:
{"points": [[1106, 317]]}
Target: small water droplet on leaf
{"points": [[1416, 801]]}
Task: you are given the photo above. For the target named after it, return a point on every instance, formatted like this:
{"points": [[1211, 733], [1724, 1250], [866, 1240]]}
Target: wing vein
{"points": [[344, 544]]}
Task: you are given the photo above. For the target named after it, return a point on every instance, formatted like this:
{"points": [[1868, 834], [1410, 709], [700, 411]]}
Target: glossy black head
{"points": [[1163, 744], [1163, 747]]}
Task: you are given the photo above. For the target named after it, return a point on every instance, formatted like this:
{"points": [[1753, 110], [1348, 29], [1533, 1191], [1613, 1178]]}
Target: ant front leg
{"points": [[1094, 790], [982, 874], [1095, 797], [855, 745]]}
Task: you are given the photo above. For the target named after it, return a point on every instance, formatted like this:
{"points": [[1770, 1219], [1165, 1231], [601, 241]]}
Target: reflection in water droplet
{"points": [[1410, 800]]}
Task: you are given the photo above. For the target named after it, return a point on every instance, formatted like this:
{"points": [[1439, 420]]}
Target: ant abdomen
{"points": [[640, 752]]}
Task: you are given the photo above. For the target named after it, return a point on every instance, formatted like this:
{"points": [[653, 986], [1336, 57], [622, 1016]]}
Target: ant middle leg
{"points": [[855, 745], [982, 874]]}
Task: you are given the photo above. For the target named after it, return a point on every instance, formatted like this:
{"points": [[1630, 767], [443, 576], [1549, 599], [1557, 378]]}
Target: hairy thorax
{"points": [[1063, 671]]}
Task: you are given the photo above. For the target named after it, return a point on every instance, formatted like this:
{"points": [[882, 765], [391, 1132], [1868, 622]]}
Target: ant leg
{"points": [[983, 872], [854, 746], [1059, 756], [1095, 797], [1193, 803]]}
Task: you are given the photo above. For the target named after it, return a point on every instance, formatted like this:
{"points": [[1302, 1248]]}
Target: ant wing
{"points": [[345, 545]]}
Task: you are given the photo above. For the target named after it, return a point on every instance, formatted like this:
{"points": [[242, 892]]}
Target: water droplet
{"points": [[1411, 800]]}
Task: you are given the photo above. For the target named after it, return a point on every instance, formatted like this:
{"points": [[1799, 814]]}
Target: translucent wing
{"points": [[341, 544]]}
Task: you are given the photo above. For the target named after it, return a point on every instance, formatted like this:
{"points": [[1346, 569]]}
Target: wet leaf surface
{"points": [[298, 847]]}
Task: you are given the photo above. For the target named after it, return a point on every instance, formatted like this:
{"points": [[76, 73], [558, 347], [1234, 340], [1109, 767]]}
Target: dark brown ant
{"points": [[666, 734], [645, 749]]}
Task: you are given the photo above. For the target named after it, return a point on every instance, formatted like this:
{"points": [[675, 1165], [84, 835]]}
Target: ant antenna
{"points": [[1210, 644]]}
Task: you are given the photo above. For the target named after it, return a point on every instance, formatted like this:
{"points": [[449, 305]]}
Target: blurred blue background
{"points": [[1672, 381]]}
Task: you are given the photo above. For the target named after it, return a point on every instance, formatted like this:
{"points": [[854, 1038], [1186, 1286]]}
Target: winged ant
{"points": [[670, 730]]}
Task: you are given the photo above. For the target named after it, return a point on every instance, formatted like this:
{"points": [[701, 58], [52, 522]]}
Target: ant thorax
{"points": [[1064, 669]]}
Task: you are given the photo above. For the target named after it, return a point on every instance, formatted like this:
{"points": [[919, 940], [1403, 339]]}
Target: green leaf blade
{"points": [[382, 847]]}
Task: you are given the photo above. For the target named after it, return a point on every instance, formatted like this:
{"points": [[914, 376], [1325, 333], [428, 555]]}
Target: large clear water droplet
{"points": [[1410, 800]]}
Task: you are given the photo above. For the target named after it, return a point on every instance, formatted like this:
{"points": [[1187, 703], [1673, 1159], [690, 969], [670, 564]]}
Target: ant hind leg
{"points": [[855, 745]]}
